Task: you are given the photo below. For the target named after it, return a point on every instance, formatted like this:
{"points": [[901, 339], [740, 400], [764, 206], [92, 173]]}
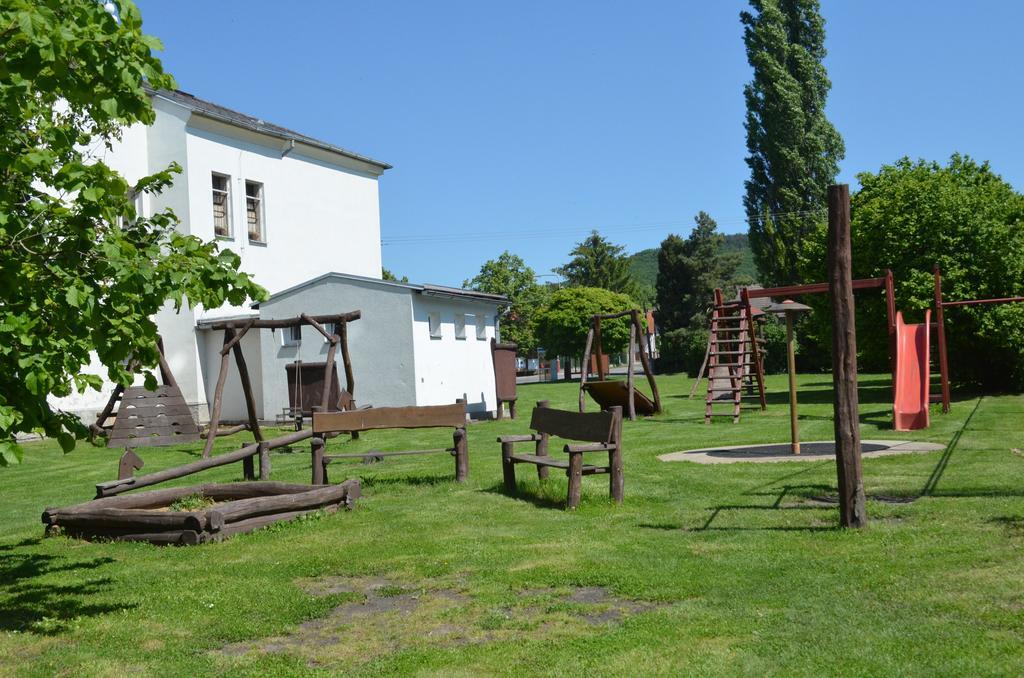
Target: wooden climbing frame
{"points": [[637, 339]]}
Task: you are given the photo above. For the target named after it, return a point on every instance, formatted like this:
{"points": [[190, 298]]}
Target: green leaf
{"points": [[10, 453], [67, 442]]}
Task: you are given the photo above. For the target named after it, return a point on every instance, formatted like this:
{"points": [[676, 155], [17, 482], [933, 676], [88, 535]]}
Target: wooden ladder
{"points": [[735, 359]]}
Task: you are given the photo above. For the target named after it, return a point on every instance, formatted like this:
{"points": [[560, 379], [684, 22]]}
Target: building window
{"points": [[254, 211], [292, 336], [221, 205], [434, 318], [481, 326], [460, 325]]}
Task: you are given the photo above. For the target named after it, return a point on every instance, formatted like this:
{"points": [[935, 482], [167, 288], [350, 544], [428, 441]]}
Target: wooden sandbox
{"points": [[237, 508]]}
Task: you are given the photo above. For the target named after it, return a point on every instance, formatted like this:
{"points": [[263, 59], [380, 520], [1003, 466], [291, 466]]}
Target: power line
{"points": [[427, 238]]}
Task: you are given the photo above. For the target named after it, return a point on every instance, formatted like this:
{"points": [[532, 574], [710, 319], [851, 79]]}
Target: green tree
{"points": [[910, 216], [689, 271], [563, 323], [80, 270], [509, 275], [793, 150], [596, 262], [386, 274]]}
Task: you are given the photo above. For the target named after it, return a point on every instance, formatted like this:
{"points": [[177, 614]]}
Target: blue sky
{"points": [[523, 125]]}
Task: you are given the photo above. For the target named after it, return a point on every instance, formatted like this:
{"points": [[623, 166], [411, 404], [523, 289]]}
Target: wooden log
{"points": [[325, 399], [940, 324], [282, 323], [235, 338], [165, 369], [316, 449], [346, 360], [852, 502], [575, 473], [248, 469], [616, 479], [508, 467], [231, 430], [264, 454], [251, 524], [318, 327], [117, 486], [289, 438], [137, 520], [629, 371], [598, 349], [109, 407], [649, 371], [311, 499], [250, 400], [585, 369], [218, 394], [163, 538], [461, 454], [542, 446]]}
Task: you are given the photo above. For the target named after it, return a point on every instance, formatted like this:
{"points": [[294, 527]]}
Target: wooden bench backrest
{"points": [[429, 416], [593, 427]]}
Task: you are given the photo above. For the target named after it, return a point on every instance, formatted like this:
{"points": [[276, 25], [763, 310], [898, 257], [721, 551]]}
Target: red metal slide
{"points": [[910, 406]]}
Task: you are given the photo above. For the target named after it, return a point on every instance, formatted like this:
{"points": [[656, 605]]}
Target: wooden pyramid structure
{"points": [[148, 418]]}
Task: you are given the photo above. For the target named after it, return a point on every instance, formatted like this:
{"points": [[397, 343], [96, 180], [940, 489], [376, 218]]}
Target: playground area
{"points": [[703, 569]]}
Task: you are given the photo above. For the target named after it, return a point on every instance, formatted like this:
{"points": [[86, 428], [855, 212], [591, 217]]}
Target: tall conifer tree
{"points": [[794, 151]]}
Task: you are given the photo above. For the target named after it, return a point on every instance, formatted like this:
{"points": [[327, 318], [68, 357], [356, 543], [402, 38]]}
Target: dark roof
{"points": [[214, 111]]}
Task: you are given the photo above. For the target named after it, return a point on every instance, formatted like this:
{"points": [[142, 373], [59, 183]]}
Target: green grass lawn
{"points": [[706, 569]]}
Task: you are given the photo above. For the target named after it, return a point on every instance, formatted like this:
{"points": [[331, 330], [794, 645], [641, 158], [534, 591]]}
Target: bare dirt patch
{"points": [[387, 616]]}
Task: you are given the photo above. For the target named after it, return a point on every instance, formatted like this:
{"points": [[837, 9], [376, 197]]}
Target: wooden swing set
{"points": [[610, 393]]}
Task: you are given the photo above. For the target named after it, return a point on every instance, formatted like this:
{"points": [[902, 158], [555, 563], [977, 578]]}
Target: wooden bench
{"points": [[328, 424], [601, 431]]}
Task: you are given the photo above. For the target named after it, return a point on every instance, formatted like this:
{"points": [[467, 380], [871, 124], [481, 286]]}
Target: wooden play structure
{"points": [[147, 418], [941, 306], [259, 450], [327, 424], [737, 326], [617, 393], [234, 508], [235, 330], [601, 431], [503, 356]]}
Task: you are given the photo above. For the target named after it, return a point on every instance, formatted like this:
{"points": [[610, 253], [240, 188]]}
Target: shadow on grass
{"points": [[391, 481], [940, 468], [45, 608], [529, 497]]}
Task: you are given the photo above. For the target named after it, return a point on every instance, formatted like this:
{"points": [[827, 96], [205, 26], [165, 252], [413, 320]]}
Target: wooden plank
{"points": [[593, 427], [155, 441], [281, 323], [118, 486], [587, 469], [379, 453], [428, 416], [852, 502], [813, 288], [153, 409]]}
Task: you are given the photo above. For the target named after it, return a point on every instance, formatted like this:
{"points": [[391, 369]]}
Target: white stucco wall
{"points": [[233, 403], [448, 368]]}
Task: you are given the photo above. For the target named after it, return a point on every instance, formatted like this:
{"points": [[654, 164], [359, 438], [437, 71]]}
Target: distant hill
{"points": [[644, 264]]}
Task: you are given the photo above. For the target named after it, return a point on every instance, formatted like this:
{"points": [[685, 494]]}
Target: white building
{"points": [[292, 207]]}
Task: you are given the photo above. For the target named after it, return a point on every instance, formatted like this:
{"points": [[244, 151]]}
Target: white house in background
{"points": [[293, 208], [414, 345]]}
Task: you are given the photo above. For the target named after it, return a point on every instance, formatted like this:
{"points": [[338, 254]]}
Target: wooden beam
{"points": [[281, 323], [630, 388], [346, 360], [250, 401], [813, 288], [852, 502], [218, 393], [940, 324], [648, 370], [586, 365]]}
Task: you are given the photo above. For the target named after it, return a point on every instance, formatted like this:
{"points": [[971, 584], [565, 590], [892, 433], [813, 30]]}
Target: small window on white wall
{"points": [[460, 325], [291, 336], [481, 326], [254, 211], [434, 318], [221, 205]]}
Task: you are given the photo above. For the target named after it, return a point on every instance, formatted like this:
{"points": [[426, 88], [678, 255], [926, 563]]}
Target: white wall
{"points": [[450, 368], [233, 403], [320, 216]]}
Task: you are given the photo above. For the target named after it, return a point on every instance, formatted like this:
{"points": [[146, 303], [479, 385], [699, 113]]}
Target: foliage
{"points": [[688, 273], [563, 323], [962, 216], [683, 349], [386, 274], [509, 275], [794, 151], [81, 271], [191, 502], [643, 265], [596, 262]]}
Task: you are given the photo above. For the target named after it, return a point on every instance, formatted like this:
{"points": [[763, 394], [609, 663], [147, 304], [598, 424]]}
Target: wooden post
{"points": [[586, 366], [575, 473], [649, 371], [598, 349], [346, 360], [794, 426], [165, 369], [508, 468], [218, 393], [890, 316], [461, 454], [109, 407], [325, 399], [247, 468], [629, 371], [940, 324], [264, 460], [542, 447], [615, 476], [250, 401], [852, 502], [317, 447]]}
